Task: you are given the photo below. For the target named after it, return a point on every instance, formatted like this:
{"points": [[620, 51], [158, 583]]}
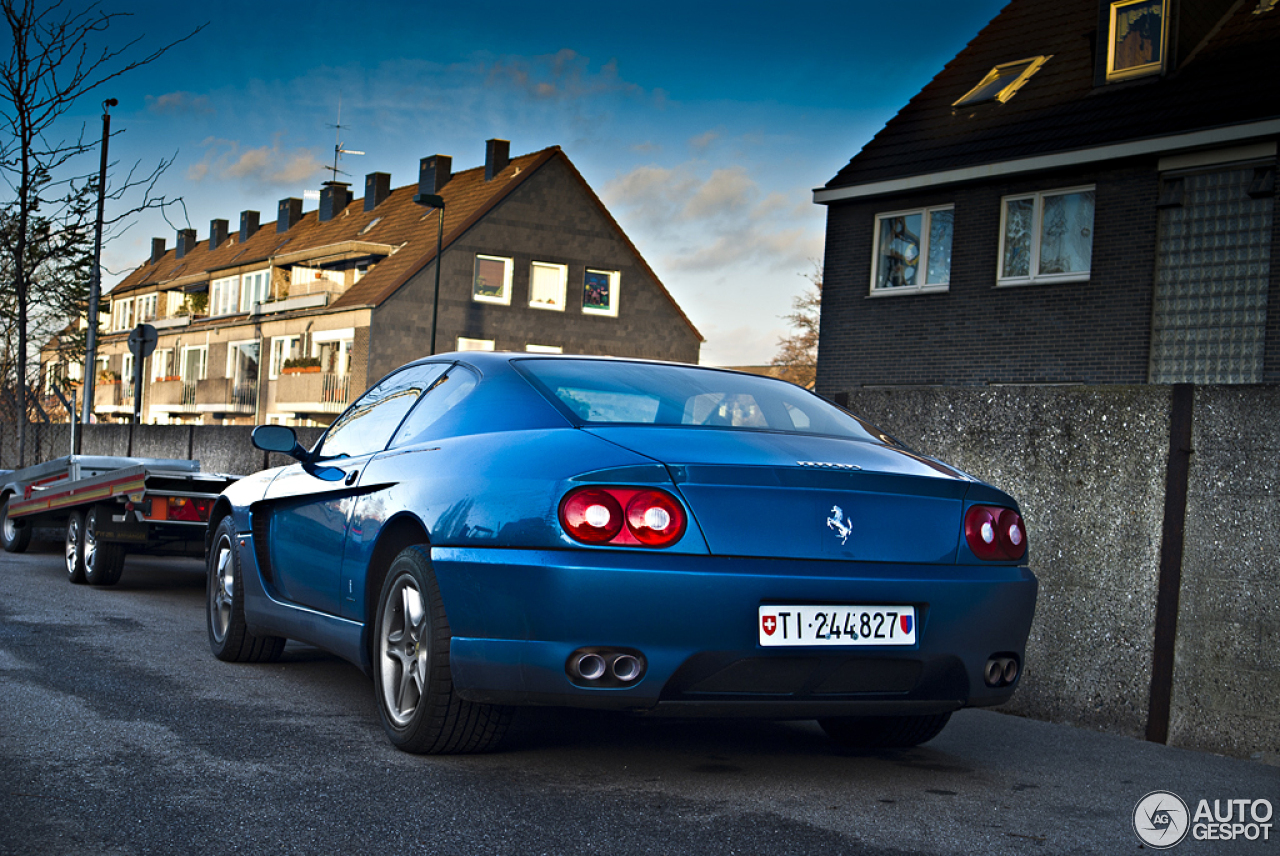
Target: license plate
{"points": [[836, 625]]}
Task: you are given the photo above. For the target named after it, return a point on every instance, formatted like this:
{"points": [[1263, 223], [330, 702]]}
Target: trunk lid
{"points": [[780, 495]]}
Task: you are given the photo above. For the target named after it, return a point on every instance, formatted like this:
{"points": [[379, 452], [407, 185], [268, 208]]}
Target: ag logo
{"points": [[1160, 819]]}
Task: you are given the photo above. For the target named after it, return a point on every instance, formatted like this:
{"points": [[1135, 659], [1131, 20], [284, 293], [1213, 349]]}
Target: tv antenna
{"points": [[338, 150]]}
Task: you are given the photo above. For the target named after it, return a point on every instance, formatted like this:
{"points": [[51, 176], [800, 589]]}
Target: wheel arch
{"points": [[221, 509], [403, 530]]}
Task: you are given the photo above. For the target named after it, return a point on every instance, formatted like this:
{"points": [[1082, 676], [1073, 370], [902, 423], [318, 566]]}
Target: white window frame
{"points": [[160, 357], [561, 272], [544, 349], [122, 314], [255, 287], [345, 339], [505, 297], [615, 278], [465, 344], [224, 295], [202, 371], [174, 300], [146, 307], [126, 368], [1014, 82], [280, 347], [1137, 70], [1037, 213], [926, 228]]}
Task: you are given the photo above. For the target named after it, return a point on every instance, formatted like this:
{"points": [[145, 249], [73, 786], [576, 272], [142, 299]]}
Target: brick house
{"points": [[1085, 194], [287, 322]]}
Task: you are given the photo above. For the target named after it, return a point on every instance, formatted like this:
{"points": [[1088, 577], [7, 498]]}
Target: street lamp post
{"points": [[95, 280], [431, 200]]}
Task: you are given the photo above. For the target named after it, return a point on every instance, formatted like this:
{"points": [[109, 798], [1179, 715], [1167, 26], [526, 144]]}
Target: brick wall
{"points": [[1081, 332]]}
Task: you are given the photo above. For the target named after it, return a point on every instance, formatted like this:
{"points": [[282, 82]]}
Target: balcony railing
{"points": [[224, 395], [313, 392]]}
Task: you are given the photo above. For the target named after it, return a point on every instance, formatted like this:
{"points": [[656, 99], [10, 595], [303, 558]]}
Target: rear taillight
{"points": [[188, 509], [995, 534], [596, 515]]}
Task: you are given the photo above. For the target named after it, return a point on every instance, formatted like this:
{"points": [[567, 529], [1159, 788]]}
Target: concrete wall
{"points": [[1090, 468]]}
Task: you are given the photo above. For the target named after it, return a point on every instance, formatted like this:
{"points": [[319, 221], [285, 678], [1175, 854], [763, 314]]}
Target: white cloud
{"points": [[566, 74], [178, 103], [264, 165], [704, 140]]}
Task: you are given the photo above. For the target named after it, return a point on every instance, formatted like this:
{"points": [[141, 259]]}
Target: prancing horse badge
{"points": [[839, 523]]}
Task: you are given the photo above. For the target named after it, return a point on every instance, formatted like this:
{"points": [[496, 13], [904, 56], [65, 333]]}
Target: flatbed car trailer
{"points": [[103, 507]]}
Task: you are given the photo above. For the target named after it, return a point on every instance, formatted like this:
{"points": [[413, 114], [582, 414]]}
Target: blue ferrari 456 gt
{"points": [[484, 530]]}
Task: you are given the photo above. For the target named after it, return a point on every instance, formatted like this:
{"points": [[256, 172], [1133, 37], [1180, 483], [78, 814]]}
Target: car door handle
{"points": [[352, 476]]}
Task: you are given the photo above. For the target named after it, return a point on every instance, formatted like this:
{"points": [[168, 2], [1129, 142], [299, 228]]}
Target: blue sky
{"points": [[703, 126]]}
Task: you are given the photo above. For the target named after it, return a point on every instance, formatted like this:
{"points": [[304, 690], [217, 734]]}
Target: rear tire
{"points": [[13, 538], [412, 681], [229, 635], [884, 732], [75, 547], [103, 562]]}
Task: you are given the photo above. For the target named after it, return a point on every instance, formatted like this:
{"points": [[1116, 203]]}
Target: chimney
{"points": [[289, 214], [248, 224], [217, 233], [334, 196], [186, 242], [377, 187], [157, 249], [434, 173], [497, 154]]}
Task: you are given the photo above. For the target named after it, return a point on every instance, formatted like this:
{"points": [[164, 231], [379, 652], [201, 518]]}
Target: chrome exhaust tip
{"points": [[626, 668], [589, 667]]}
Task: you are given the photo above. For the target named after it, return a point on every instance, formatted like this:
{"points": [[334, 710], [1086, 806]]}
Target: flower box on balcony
{"points": [[300, 370]]}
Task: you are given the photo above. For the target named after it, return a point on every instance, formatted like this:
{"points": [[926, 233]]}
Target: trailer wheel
{"points": [[103, 562], [75, 547], [229, 635], [13, 538]]}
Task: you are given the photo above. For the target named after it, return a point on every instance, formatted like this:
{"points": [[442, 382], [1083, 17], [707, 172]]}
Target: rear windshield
{"points": [[604, 392]]}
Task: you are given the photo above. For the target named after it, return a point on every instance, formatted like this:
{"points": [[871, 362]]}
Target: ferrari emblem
{"points": [[839, 523]]}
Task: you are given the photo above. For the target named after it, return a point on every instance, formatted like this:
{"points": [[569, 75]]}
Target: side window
{"points": [[367, 425], [447, 393]]}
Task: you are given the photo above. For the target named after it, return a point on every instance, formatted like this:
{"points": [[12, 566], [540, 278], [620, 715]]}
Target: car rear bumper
{"points": [[517, 616]]}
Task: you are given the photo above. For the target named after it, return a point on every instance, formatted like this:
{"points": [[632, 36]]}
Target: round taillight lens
{"points": [[1011, 534], [995, 534], [655, 518], [591, 515]]}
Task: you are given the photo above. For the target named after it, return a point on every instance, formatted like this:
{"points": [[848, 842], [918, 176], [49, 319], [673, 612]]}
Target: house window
{"points": [[1137, 38], [162, 367], [544, 349], [1002, 81], [1046, 237], [492, 282], [174, 302], [913, 251], [547, 285], [223, 295], [147, 307], [195, 363], [600, 292], [283, 348], [333, 347], [255, 288], [242, 365], [465, 344], [122, 314]]}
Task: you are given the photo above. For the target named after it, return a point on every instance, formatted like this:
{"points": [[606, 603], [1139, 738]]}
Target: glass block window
{"points": [[1046, 237], [913, 251], [1137, 38], [1213, 265]]}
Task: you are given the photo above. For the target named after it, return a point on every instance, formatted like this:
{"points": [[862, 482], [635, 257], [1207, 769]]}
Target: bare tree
{"points": [[60, 54], [798, 353]]}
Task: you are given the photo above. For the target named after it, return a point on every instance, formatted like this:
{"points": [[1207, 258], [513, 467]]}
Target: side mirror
{"points": [[278, 438]]}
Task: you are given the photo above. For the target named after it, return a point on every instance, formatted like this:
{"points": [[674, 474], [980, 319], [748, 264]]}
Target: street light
{"points": [[431, 200], [95, 278]]}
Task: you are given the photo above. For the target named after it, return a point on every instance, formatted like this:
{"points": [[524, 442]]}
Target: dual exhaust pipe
{"points": [[604, 667], [1001, 671]]}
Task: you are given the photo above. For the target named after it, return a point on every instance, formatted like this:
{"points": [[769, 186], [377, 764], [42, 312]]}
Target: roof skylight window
{"points": [[1002, 82]]}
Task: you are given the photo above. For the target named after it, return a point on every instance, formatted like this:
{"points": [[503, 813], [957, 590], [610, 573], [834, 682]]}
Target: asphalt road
{"points": [[121, 734]]}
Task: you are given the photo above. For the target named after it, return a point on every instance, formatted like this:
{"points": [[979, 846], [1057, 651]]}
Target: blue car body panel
{"points": [[773, 518]]}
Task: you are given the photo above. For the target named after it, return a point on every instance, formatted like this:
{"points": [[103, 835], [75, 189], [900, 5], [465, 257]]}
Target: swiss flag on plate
{"points": [[768, 624]]}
